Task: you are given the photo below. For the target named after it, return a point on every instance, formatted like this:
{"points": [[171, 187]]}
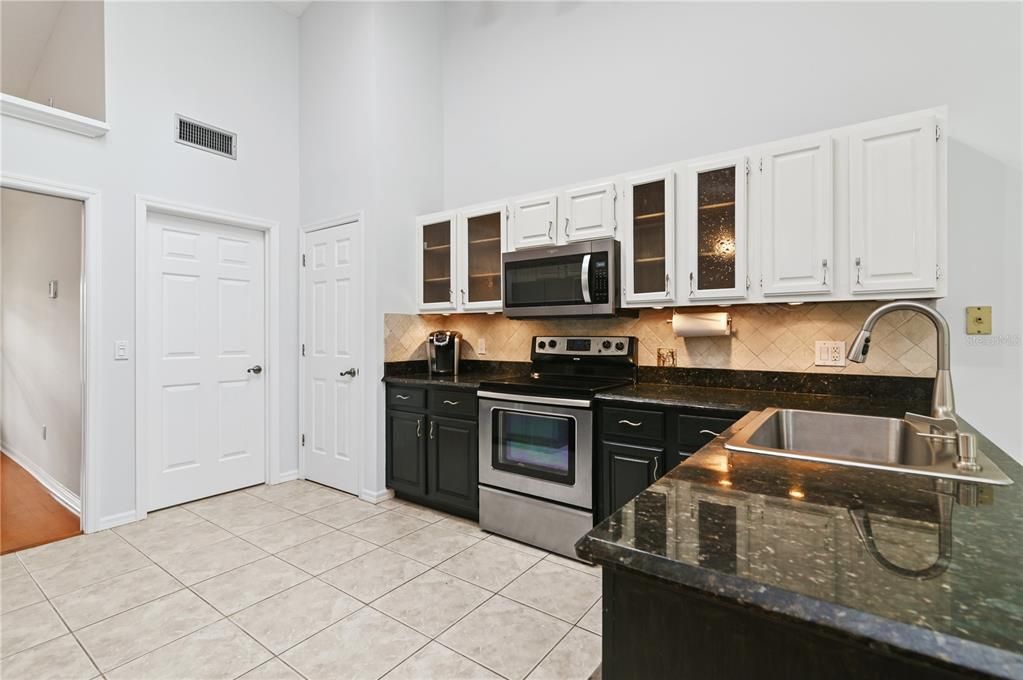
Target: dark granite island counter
{"points": [[739, 565]]}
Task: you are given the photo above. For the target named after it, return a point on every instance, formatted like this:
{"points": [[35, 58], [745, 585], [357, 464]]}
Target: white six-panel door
{"points": [[333, 352], [206, 401]]}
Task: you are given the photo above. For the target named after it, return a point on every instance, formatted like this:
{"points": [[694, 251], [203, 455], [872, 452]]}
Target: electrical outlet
{"points": [[481, 346], [666, 356], [829, 353]]}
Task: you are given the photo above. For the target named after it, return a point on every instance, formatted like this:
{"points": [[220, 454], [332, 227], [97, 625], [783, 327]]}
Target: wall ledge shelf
{"points": [[16, 107]]}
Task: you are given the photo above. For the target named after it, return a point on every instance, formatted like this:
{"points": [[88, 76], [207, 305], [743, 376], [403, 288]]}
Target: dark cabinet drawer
{"points": [[453, 402], [400, 396], [633, 423], [693, 430]]}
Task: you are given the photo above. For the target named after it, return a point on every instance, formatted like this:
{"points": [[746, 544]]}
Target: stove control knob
{"points": [[542, 344], [552, 343], [619, 345], [606, 344]]}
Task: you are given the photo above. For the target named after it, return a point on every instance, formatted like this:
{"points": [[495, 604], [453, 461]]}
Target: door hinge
{"points": [[937, 272], [303, 440], [761, 166], [747, 166], [303, 259], [303, 349], [937, 132]]}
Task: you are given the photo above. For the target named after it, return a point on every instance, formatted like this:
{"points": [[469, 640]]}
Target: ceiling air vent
{"points": [[206, 137]]}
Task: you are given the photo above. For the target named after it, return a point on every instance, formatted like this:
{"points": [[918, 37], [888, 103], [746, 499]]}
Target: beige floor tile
{"points": [[278, 492], [591, 569], [515, 545], [59, 659], [28, 627], [208, 561], [419, 512], [86, 569], [274, 669], [437, 661], [283, 535], [150, 532], [128, 635], [220, 650], [385, 527], [346, 513], [431, 602], [248, 518], [242, 587], [366, 644], [374, 574], [575, 658], [593, 619], [464, 526], [505, 636], [326, 552], [311, 497], [11, 567], [282, 621], [61, 552], [19, 592], [163, 543], [392, 503], [432, 545], [236, 501], [563, 592], [488, 565], [94, 603]]}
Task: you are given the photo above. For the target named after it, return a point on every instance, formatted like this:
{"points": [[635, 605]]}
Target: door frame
{"points": [[90, 324], [357, 218], [144, 206]]}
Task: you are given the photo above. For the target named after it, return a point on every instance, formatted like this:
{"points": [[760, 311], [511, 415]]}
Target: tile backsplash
{"points": [[764, 337]]}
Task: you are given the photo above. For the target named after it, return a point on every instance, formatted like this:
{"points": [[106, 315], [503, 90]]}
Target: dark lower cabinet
{"points": [[432, 448], [629, 469], [453, 457], [406, 452]]}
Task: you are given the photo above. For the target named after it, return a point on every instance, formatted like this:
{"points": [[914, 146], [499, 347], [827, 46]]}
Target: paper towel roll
{"points": [[701, 324]]}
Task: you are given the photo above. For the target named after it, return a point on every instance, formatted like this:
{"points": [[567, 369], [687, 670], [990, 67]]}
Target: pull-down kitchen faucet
{"points": [[943, 415]]}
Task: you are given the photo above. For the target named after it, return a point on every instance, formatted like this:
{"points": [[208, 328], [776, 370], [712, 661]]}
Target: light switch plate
{"points": [[481, 346], [829, 353], [121, 350], [978, 320]]}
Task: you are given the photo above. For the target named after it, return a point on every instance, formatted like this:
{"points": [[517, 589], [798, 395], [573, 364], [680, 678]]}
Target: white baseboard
{"points": [[61, 493], [376, 496], [287, 476], [111, 521]]}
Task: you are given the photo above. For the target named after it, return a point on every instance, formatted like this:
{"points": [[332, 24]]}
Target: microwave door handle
{"points": [[585, 278]]}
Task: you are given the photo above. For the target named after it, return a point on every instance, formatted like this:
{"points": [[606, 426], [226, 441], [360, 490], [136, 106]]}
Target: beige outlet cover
{"points": [[978, 320]]}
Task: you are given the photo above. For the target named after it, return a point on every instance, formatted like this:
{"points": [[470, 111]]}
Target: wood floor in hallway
{"points": [[29, 515]]}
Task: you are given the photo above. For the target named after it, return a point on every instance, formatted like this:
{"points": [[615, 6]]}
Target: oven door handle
{"points": [[585, 278], [530, 399]]}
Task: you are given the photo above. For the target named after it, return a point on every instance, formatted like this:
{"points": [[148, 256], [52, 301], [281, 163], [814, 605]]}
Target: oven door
{"points": [[555, 282], [538, 446]]}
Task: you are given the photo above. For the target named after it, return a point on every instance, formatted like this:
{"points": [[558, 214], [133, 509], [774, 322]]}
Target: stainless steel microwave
{"points": [[579, 279]]}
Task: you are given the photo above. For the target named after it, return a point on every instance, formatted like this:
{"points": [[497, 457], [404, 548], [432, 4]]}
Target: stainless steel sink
{"points": [[857, 441]]}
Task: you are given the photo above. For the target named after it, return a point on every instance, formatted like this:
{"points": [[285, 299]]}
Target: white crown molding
{"points": [[16, 107]]}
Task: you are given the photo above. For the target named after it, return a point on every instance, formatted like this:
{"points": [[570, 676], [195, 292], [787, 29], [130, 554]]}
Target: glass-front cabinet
{"points": [[437, 262], [481, 236], [716, 237], [649, 238]]}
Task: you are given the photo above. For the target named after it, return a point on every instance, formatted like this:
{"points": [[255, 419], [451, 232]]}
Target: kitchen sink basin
{"points": [[857, 441]]}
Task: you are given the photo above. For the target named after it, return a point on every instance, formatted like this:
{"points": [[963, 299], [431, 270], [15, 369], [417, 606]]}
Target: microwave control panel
{"points": [[599, 288]]}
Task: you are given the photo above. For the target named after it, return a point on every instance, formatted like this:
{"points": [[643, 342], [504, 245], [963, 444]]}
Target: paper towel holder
{"points": [[720, 323]]}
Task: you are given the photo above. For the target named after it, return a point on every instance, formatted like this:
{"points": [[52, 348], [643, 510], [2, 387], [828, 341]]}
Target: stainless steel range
{"points": [[536, 439]]}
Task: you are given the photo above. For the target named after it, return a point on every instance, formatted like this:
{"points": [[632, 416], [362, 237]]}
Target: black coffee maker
{"points": [[443, 349]]}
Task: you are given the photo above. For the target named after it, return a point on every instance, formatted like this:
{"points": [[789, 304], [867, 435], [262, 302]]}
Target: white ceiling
{"points": [[25, 29], [293, 7]]}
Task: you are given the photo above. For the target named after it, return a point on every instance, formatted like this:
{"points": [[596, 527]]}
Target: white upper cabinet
{"points": [[589, 212], [716, 235], [893, 205], [797, 220], [481, 236], [648, 237], [436, 264], [534, 221]]}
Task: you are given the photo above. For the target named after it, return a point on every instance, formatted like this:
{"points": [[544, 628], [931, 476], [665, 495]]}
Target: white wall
{"points": [[543, 94], [40, 340], [371, 141], [233, 65]]}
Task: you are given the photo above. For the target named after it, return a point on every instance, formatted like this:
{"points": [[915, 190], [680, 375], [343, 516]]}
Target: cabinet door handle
{"points": [[431, 429], [824, 264], [630, 423], [711, 433], [550, 227], [566, 226], [656, 462], [463, 295], [451, 403], [451, 296], [859, 267], [403, 397], [419, 428], [667, 285], [690, 284]]}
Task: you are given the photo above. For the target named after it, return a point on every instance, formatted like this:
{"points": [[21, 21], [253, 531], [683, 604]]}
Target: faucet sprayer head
{"points": [[860, 347]]}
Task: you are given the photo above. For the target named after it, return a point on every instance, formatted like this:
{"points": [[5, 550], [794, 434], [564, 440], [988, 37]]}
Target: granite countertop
{"points": [[779, 534], [691, 396], [469, 381]]}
